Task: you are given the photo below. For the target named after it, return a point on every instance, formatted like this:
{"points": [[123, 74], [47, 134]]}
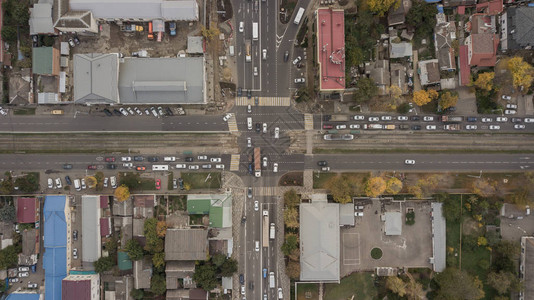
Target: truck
{"points": [[131, 28], [338, 137], [452, 127], [150, 35], [339, 118], [248, 56], [452, 119], [271, 231], [299, 15], [265, 235], [271, 280], [254, 31], [389, 127], [373, 126], [257, 162]]}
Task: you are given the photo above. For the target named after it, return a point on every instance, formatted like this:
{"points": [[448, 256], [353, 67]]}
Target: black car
{"points": [[256, 101], [249, 193], [112, 166], [404, 127], [415, 118], [241, 279], [169, 111], [286, 56], [67, 179], [251, 285], [516, 120], [117, 112], [249, 94], [239, 92], [189, 159], [416, 127], [139, 158], [107, 112], [258, 127], [76, 40], [250, 171], [181, 183], [322, 163], [153, 159], [75, 235], [67, 166]]}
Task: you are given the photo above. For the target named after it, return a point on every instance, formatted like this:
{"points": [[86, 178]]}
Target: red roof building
{"points": [[465, 70], [105, 227], [483, 42], [492, 7], [26, 210], [331, 49], [104, 202], [81, 287]]}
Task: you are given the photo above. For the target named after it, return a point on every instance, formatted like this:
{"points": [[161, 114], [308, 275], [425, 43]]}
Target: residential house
{"points": [[399, 50], [45, 61], [123, 261], [483, 41], [30, 247], [454, 3], [331, 49], [444, 35], [81, 286], [27, 210], [142, 270], [123, 287], [397, 15], [195, 249], [91, 242], [217, 206], [398, 77], [95, 78], [393, 223], [41, 19], [175, 270], [143, 206], [378, 71], [439, 255], [517, 28], [24, 295], [490, 7], [429, 72], [527, 266]]}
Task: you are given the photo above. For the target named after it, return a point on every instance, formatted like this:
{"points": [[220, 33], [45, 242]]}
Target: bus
{"points": [[160, 167], [265, 235], [254, 31], [300, 13]]}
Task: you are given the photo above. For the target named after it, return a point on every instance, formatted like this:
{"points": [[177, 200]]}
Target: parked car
{"points": [[75, 235], [24, 269], [68, 180], [430, 127], [528, 120], [374, 119], [215, 159], [107, 112], [58, 183], [123, 111], [402, 118], [297, 60], [505, 97], [354, 126], [32, 285], [471, 127], [516, 120], [109, 159], [511, 106], [126, 158], [510, 112], [138, 158], [50, 183], [416, 127], [194, 167], [487, 120], [359, 118], [158, 184], [91, 167], [519, 126], [140, 168], [127, 165], [75, 253], [386, 118], [202, 157], [494, 127], [341, 126], [502, 119], [24, 274], [428, 118]]}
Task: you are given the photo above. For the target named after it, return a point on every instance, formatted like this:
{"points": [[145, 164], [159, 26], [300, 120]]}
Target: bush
{"points": [[404, 108], [376, 253], [410, 218]]}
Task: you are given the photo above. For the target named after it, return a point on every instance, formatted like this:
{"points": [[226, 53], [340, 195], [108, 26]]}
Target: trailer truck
{"points": [[254, 31], [265, 236], [248, 56], [257, 162]]}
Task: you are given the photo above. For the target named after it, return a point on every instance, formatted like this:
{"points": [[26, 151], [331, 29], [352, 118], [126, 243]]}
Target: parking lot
{"points": [[412, 248], [515, 223]]}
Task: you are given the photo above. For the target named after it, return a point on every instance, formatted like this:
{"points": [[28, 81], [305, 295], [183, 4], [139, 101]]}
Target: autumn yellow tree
{"points": [[381, 7], [422, 97], [396, 285], [522, 72], [395, 92], [483, 187], [447, 100], [339, 189], [484, 81], [291, 218], [210, 33], [161, 228], [122, 193], [393, 186], [416, 191], [90, 181], [375, 186]]}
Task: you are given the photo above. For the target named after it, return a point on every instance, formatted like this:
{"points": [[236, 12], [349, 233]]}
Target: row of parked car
{"points": [[156, 112]]}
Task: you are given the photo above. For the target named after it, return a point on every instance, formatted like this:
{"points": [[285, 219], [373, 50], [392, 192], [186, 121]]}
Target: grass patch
{"points": [[307, 291], [147, 184], [169, 181], [514, 179], [453, 238], [355, 286], [198, 180], [178, 202], [320, 179], [24, 111], [292, 179]]}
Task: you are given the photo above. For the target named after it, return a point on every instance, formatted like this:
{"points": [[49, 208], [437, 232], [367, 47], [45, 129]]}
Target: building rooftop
{"points": [[55, 256], [26, 208], [429, 71], [23, 296], [218, 206], [142, 273], [519, 28], [123, 260], [527, 264], [96, 78], [438, 237], [195, 248], [398, 50], [331, 48], [393, 224], [44, 62], [91, 242], [41, 19], [76, 287]]}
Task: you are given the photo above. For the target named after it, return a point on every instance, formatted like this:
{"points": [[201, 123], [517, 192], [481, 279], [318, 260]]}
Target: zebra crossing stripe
{"points": [[265, 191], [234, 163], [264, 101], [308, 121], [232, 124]]}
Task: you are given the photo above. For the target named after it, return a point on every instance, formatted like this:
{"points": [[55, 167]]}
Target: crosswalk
{"points": [[234, 163], [264, 101], [232, 124], [308, 121], [265, 191]]}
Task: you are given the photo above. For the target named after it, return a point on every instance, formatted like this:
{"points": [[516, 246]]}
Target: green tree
{"points": [[422, 17], [381, 7], [158, 286], [366, 90], [28, 183], [218, 260], [48, 41], [291, 198], [9, 256], [154, 243], [131, 180], [6, 186], [228, 268], [103, 264], [158, 259], [134, 250], [458, 284], [205, 276], [502, 282], [137, 294], [290, 244], [505, 253], [9, 33], [8, 213]]}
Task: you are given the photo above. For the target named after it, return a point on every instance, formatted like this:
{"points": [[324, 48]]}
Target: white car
{"points": [[300, 80], [249, 108], [256, 205], [58, 183], [241, 26], [471, 127], [138, 111], [242, 290], [359, 118], [24, 274], [296, 60], [215, 159], [249, 142], [219, 166], [341, 126], [402, 118], [83, 184], [510, 112], [127, 165], [494, 127], [374, 119], [487, 120], [511, 106], [276, 132], [154, 112], [193, 167], [519, 126], [106, 182], [227, 117], [386, 118], [507, 98], [3, 112], [123, 112], [428, 118], [430, 127], [502, 119], [126, 158], [32, 285], [354, 126], [265, 161], [181, 166], [75, 253], [264, 127], [50, 183], [275, 167], [264, 54], [409, 162], [255, 71], [202, 157], [130, 110], [24, 269], [528, 120]]}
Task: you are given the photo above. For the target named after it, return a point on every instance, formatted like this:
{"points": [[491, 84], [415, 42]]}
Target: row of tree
{"points": [[290, 247]]}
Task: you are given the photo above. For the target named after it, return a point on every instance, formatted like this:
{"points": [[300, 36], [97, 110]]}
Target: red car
{"points": [[91, 167], [140, 168], [328, 126], [158, 184], [110, 159]]}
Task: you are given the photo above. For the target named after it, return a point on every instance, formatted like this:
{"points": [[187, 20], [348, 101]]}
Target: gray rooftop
{"points": [[162, 80], [186, 244], [393, 224], [41, 19], [527, 264], [438, 237], [346, 214], [144, 10], [520, 21], [95, 78], [319, 241], [195, 44], [397, 50], [90, 234]]}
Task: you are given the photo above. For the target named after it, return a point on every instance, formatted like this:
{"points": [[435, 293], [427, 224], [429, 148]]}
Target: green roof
{"points": [[124, 261], [216, 217], [42, 60], [198, 206]]}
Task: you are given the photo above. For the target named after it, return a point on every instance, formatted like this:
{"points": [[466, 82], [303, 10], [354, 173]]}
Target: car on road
{"points": [[202, 157], [258, 127], [286, 56], [297, 60], [239, 92], [510, 112], [486, 120], [106, 182], [276, 132], [300, 80], [322, 163], [341, 126], [257, 248], [264, 127], [415, 118], [386, 118], [249, 192], [249, 142], [67, 179], [158, 184], [249, 94], [193, 167], [255, 71], [243, 290], [140, 168], [75, 235], [358, 118], [126, 158], [215, 159], [67, 166], [75, 253], [275, 168], [13, 280], [265, 161], [409, 162], [123, 112], [241, 26], [24, 274], [153, 159], [354, 126], [264, 272], [430, 127], [494, 127], [138, 111], [506, 97], [264, 54], [241, 279], [516, 120], [138, 158], [519, 126], [256, 205], [58, 183], [428, 118], [127, 165], [528, 120], [107, 112], [109, 159], [227, 117], [84, 186], [112, 166], [130, 111], [374, 119], [256, 101], [471, 127], [416, 127], [280, 295], [91, 167], [511, 106], [402, 118], [50, 183], [325, 169], [501, 119], [249, 108]]}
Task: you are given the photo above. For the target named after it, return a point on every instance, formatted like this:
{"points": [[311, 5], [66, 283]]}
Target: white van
{"points": [[169, 158], [257, 246], [113, 182], [249, 123], [181, 166], [77, 185]]}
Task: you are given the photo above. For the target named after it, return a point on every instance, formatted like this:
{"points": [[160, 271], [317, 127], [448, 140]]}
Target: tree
{"points": [[158, 259], [458, 284], [9, 256], [447, 100], [229, 267], [381, 7], [504, 256], [522, 72], [291, 218], [218, 260], [451, 208], [502, 282], [293, 269], [205, 276], [366, 89], [91, 181], [210, 33], [375, 186], [28, 183], [99, 181], [158, 286], [291, 198], [393, 186], [484, 81], [134, 250], [290, 244], [153, 243], [161, 228], [9, 33], [395, 92], [421, 97], [103, 264], [422, 17], [131, 180], [396, 285], [8, 213], [187, 186], [122, 193], [340, 189], [137, 294], [483, 187], [6, 186], [414, 290]]}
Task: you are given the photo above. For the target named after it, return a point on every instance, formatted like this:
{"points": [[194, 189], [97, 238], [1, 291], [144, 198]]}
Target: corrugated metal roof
{"points": [[438, 237], [26, 210], [91, 243], [194, 249], [41, 19], [42, 60], [55, 243], [96, 78]]}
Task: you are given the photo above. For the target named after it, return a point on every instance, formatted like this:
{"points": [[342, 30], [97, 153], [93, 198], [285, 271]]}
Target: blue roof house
{"points": [[55, 244], [23, 296]]}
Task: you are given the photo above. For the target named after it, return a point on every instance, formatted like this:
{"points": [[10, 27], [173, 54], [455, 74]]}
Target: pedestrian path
{"points": [[234, 163], [264, 101], [232, 124], [265, 191], [308, 121]]}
